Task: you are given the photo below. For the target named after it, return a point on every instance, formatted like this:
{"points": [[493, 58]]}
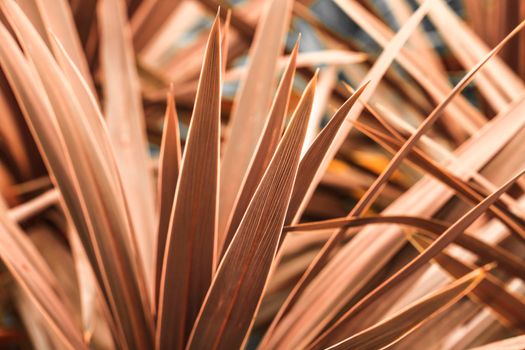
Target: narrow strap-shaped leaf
{"points": [[514, 343], [505, 260], [99, 132], [374, 75], [463, 188], [126, 125], [398, 125], [367, 199], [39, 115], [378, 184], [87, 101], [56, 17], [338, 329], [18, 255], [228, 312], [169, 167], [149, 18], [251, 105], [266, 147], [491, 291], [94, 201], [312, 160], [190, 254], [404, 322], [308, 168]]}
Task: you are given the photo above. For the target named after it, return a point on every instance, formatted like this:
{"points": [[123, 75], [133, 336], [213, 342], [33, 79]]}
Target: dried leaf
{"points": [[335, 332], [126, 126], [514, 343], [265, 149], [393, 329], [227, 314], [96, 206], [169, 168], [32, 273], [191, 246], [491, 291], [251, 106]]}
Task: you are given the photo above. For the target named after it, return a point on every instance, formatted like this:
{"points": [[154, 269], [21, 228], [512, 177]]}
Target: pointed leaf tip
{"points": [[190, 255], [227, 314]]}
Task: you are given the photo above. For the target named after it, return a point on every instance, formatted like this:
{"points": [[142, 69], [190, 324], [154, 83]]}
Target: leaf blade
{"points": [[443, 241], [266, 147], [169, 169], [126, 126], [223, 320], [251, 106], [190, 253], [398, 326]]}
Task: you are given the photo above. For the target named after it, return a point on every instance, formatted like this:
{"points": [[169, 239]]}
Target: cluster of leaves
{"points": [[254, 226]]}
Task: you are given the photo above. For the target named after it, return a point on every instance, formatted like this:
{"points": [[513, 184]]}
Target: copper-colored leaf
{"points": [[190, 254], [314, 156], [461, 116], [506, 260], [56, 17], [463, 188], [265, 149], [169, 168], [33, 274], [514, 343], [375, 75], [396, 327], [366, 200], [491, 291], [251, 105], [279, 334], [228, 312], [96, 207], [337, 331], [126, 126]]}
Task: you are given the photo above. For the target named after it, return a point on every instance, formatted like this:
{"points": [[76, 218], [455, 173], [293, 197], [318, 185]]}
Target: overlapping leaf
{"points": [[235, 294], [251, 105], [400, 325], [266, 147], [191, 247], [169, 168], [57, 124], [126, 126]]}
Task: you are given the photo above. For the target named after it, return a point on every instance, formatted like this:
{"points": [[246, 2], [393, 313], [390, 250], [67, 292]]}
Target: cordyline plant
{"points": [[243, 231]]}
